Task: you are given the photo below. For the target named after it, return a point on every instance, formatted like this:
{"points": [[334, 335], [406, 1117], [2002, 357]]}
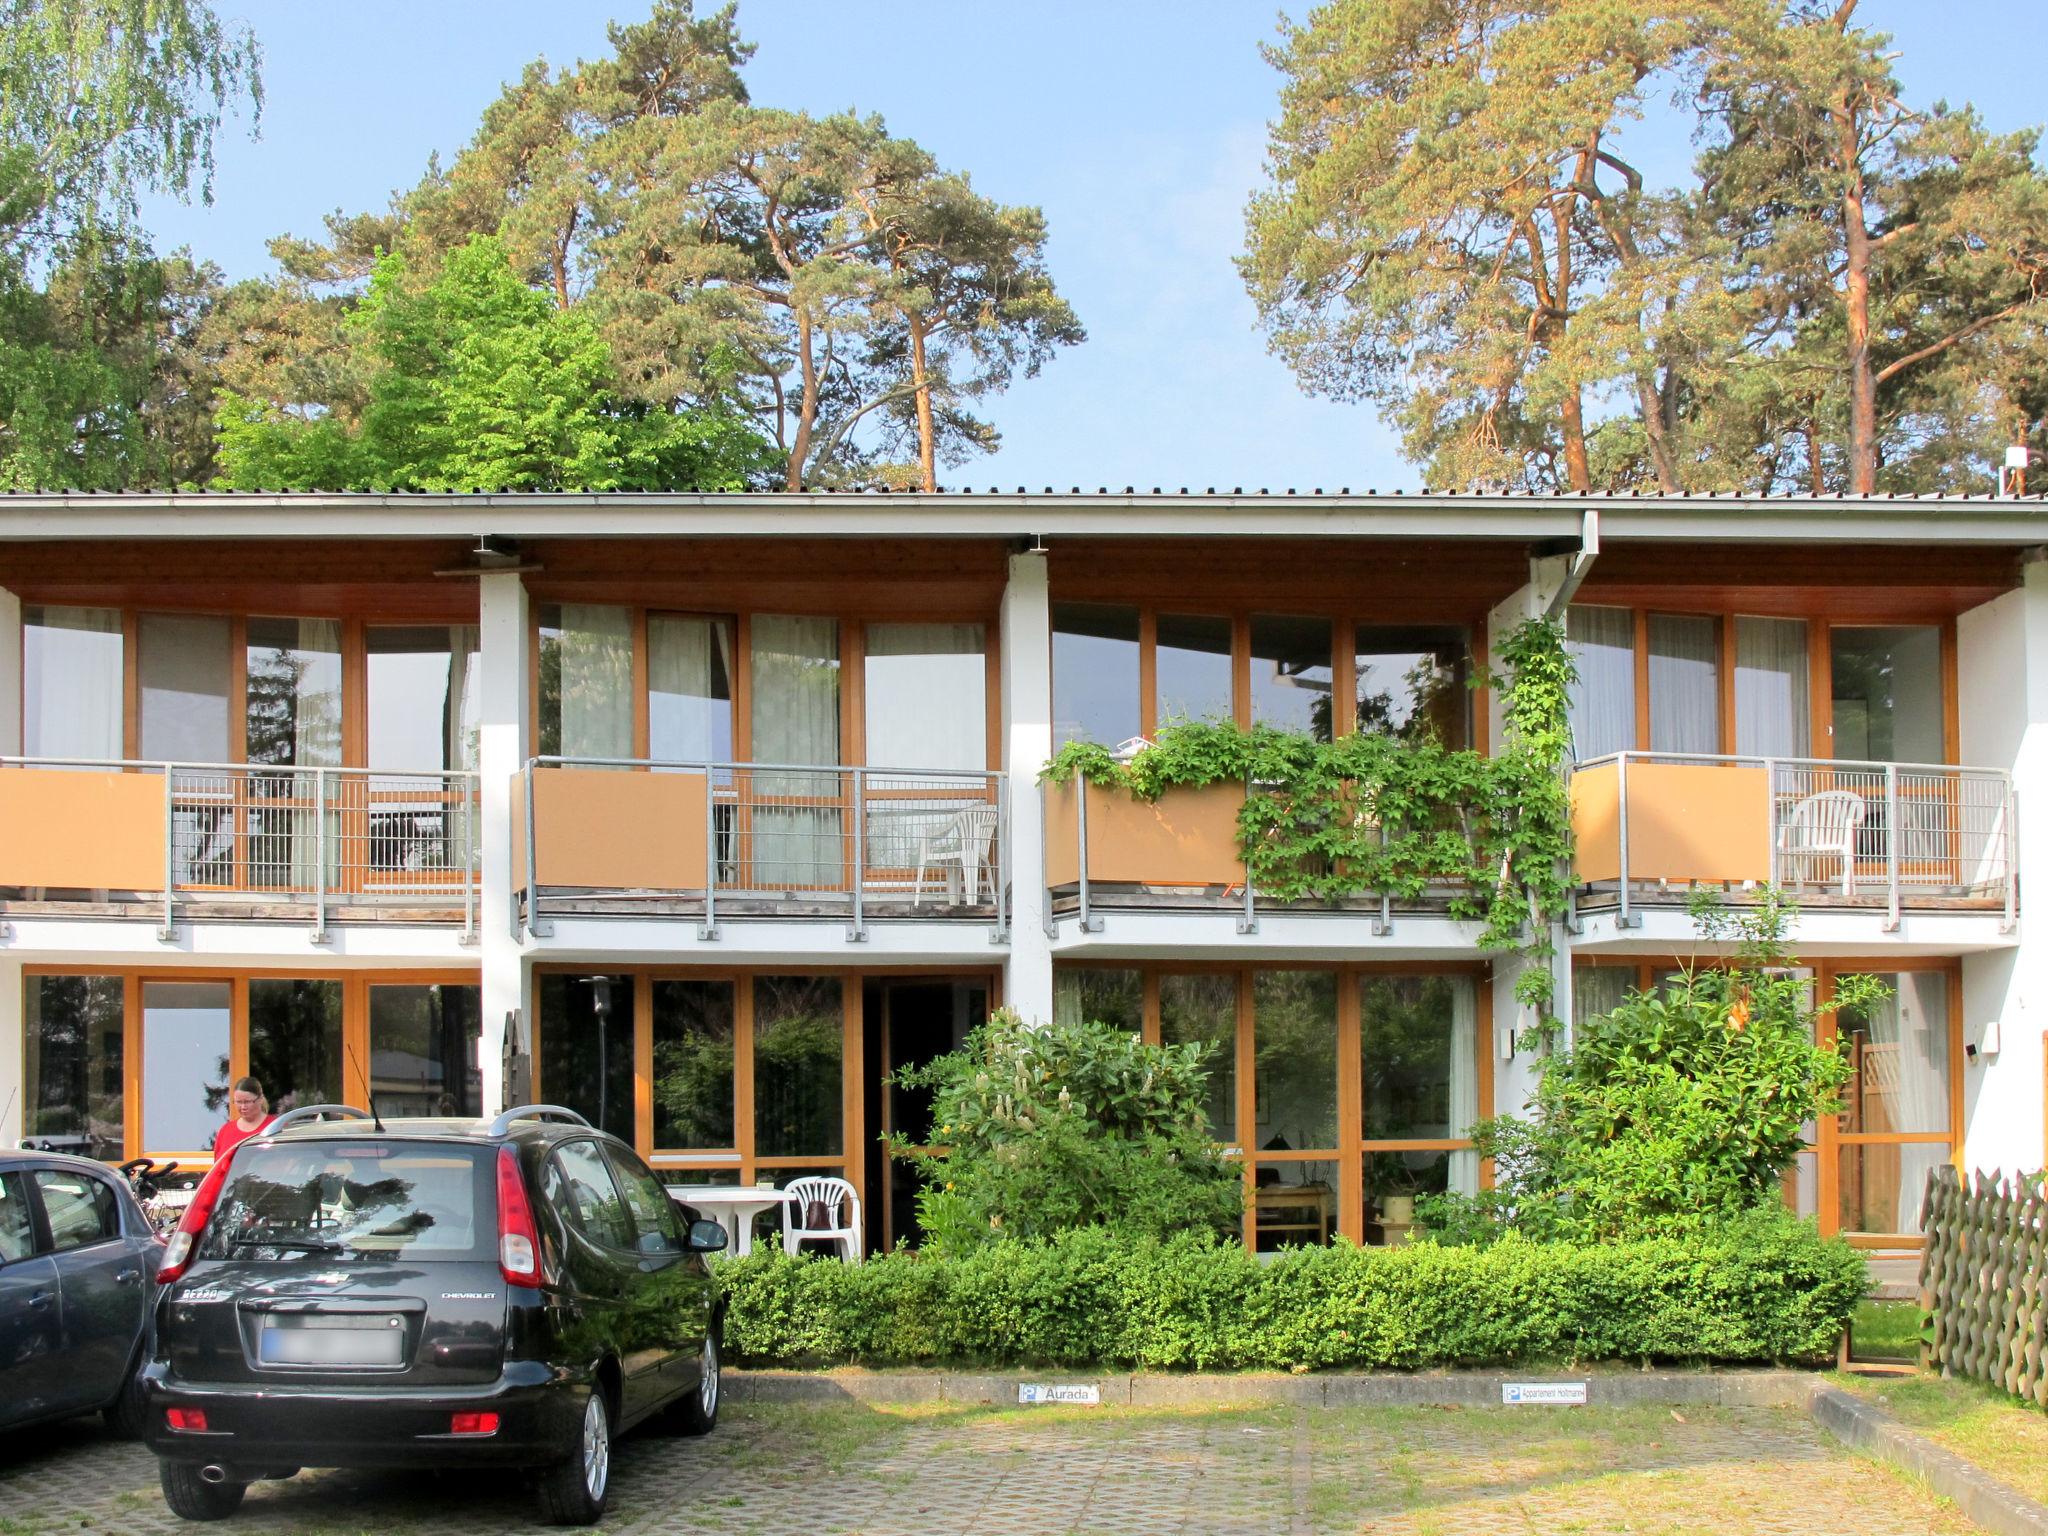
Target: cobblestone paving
{"points": [[772, 1471]]}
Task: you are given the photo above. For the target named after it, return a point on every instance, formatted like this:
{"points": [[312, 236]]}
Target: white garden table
{"points": [[733, 1207]]}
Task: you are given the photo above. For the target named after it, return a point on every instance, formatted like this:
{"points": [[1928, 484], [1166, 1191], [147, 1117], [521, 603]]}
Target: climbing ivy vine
{"points": [[1370, 814]]}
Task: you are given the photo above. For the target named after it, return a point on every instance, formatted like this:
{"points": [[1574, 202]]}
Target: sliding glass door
{"points": [[797, 836]]}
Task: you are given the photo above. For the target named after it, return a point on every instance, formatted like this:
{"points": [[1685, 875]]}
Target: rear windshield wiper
{"points": [[266, 1239]]}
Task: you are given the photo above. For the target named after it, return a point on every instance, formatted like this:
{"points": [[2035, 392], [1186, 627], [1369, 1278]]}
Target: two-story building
{"points": [[701, 814]]}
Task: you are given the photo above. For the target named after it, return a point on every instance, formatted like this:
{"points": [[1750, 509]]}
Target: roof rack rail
{"points": [[505, 1121], [309, 1111]]}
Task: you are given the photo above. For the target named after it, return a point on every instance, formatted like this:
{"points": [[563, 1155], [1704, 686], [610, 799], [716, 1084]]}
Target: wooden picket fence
{"points": [[1984, 1281]]}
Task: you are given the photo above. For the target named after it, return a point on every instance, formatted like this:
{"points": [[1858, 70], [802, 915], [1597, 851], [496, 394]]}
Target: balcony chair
{"points": [[829, 1199], [1822, 826], [960, 842]]}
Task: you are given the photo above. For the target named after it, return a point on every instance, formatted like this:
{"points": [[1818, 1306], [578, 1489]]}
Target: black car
{"points": [[428, 1293], [77, 1259]]}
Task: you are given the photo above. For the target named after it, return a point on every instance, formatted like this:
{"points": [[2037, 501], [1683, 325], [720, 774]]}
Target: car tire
{"points": [[572, 1492], [191, 1497], [697, 1413], [127, 1414]]}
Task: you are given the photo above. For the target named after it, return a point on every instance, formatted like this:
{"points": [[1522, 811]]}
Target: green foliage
{"points": [[1371, 812], [1082, 1124], [1681, 1108], [1761, 1288], [480, 383], [1844, 294]]}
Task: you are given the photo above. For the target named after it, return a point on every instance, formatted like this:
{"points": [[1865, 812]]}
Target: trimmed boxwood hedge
{"points": [[1766, 1288]]}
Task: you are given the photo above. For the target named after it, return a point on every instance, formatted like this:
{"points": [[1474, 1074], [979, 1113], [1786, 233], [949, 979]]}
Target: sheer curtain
{"points": [[1917, 1016], [597, 680], [1771, 711], [1602, 642], [689, 687], [1685, 683], [71, 682], [462, 710], [927, 696], [1597, 990], [316, 743], [796, 720], [1463, 1176]]}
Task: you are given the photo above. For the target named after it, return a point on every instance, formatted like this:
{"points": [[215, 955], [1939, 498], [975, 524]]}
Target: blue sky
{"points": [[1138, 125]]}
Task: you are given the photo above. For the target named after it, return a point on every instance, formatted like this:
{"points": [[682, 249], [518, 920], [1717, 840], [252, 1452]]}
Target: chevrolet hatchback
{"points": [[428, 1293]]}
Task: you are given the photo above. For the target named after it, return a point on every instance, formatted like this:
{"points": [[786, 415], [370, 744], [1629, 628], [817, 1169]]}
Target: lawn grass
{"points": [[1996, 1432], [1885, 1330]]}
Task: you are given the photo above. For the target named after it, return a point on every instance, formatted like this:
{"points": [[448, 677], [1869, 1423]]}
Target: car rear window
{"points": [[346, 1201]]}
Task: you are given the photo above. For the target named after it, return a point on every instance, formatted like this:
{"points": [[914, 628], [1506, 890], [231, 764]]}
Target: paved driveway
{"points": [[812, 1471]]}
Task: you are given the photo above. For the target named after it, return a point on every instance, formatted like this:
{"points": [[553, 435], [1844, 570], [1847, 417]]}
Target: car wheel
{"points": [[572, 1492], [126, 1414], [697, 1414], [191, 1497]]}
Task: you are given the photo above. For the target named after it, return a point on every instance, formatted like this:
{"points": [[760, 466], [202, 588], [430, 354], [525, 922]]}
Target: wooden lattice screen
{"points": [[1984, 1281]]}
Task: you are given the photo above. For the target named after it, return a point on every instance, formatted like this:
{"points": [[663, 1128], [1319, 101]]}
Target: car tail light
{"points": [[473, 1424], [193, 1420], [518, 1242], [178, 1252]]}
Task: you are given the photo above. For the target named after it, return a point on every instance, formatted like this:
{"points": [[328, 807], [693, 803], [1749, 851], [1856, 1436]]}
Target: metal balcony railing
{"points": [[245, 836], [1830, 832], [773, 839]]}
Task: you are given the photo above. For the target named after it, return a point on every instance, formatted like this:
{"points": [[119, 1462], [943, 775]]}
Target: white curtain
{"points": [[597, 680], [316, 743], [1463, 1176], [689, 665], [796, 720], [71, 682], [1602, 642], [1917, 1017], [462, 712], [1685, 683], [927, 696], [1771, 710]]}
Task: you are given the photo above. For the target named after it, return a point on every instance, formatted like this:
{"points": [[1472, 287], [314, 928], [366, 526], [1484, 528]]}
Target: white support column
{"points": [[13, 1055], [501, 757], [1027, 744], [2002, 667], [10, 674], [1514, 1076]]}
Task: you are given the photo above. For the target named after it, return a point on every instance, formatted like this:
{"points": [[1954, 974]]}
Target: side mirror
{"points": [[706, 1237]]}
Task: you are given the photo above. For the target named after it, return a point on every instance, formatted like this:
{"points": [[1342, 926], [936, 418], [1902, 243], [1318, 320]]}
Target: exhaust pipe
{"points": [[213, 1472]]}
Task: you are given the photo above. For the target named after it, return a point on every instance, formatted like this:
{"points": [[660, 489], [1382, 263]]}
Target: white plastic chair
{"points": [[839, 1199], [960, 842], [1824, 826]]}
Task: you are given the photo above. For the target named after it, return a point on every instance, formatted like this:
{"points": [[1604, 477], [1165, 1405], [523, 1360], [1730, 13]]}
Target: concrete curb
{"points": [[1607, 1389], [1982, 1498]]}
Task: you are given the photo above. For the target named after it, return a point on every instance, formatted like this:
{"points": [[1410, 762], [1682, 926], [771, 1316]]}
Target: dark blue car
{"points": [[78, 1263]]}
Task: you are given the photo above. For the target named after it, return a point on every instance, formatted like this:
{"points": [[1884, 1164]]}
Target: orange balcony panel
{"points": [[83, 830], [602, 829], [1686, 822], [1188, 837]]}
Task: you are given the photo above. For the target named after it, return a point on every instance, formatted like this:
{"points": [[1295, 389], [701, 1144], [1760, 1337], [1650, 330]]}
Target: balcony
{"points": [[209, 842], [633, 837], [1883, 837]]}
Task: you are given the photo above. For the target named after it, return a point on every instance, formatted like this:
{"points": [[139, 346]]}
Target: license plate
{"points": [[353, 1340]]}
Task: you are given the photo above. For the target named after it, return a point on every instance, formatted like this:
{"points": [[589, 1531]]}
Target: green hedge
{"points": [[1761, 1289]]}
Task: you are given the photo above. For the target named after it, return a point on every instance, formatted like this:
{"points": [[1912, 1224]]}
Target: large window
{"points": [[1889, 702], [1084, 993], [187, 1051], [1095, 673], [693, 1065], [75, 1083], [1419, 1061], [1193, 664], [586, 1047], [586, 680], [799, 1066], [295, 1040], [926, 688], [690, 669], [1292, 676], [424, 698], [1201, 1009], [186, 679], [1685, 683], [1896, 1124], [423, 1049], [1602, 643], [1294, 1137], [293, 695], [71, 682], [1413, 682]]}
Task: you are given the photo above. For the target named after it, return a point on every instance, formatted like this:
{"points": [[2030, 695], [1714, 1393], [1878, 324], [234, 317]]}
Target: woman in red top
{"points": [[251, 1114]]}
